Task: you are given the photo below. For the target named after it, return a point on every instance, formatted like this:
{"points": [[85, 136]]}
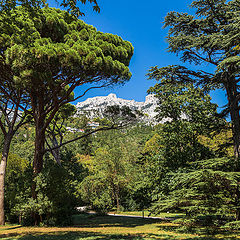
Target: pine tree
{"points": [[210, 36], [49, 53]]}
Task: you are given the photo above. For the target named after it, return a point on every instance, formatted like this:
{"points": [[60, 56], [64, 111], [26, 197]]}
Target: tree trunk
{"points": [[3, 166], [38, 160], [117, 198], [232, 94]]}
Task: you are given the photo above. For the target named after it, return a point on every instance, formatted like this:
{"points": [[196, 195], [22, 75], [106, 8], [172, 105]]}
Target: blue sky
{"points": [[139, 22]]}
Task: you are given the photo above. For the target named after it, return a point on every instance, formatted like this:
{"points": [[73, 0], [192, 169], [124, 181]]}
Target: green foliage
{"points": [[182, 101], [23, 142], [188, 113], [55, 41], [25, 209], [206, 191], [70, 5], [95, 190], [18, 175], [55, 186], [48, 53], [208, 36], [112, 171], [184, 180], [232, 226]]}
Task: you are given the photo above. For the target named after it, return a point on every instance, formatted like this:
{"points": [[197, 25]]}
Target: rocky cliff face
{"points": [[96, 105]]}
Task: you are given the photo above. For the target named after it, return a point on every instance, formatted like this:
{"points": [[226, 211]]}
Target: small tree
{"points": [[111, 170], [11, 120]]}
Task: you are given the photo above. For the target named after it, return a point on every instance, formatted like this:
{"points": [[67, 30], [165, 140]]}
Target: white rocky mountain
{"points": [[97, 105]]}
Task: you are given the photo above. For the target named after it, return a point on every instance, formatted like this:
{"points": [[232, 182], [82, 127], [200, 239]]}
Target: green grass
{"points": [[89, 227], [147, 213]]}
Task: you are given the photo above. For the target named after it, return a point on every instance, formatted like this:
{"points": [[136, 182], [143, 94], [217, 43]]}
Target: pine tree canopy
{"points": [[55, 52]]}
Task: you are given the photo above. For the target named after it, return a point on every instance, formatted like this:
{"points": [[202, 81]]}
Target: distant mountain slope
{"points": [[96, 105]]}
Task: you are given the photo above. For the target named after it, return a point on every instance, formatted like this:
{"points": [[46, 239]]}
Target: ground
{"points": [[106, 228]]}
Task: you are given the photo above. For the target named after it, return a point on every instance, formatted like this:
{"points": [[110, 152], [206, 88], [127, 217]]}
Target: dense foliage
{"points": [[209, 36]]}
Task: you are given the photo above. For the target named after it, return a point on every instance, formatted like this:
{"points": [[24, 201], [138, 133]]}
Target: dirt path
{"points": [[133, 216]]}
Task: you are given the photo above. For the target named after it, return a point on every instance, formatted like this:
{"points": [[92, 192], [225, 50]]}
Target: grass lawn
{"points": [[146, 213], [87, 227]]}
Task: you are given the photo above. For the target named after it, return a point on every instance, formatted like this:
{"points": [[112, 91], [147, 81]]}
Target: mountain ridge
{"points": [[96, 105]]}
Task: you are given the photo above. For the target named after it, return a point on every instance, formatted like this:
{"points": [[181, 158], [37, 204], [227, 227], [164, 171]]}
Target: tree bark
{"points": [[38, 160], [39, 150], [237, 201], [3, 166], [232, 93]]}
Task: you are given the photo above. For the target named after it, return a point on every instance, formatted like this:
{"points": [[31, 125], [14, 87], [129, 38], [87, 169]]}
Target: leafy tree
{"points": [[188, 113], [111, 170], [70, 52], [18, 184], [219, 142], [56, 185], [209, 36], [17, 96], [10, 121]]}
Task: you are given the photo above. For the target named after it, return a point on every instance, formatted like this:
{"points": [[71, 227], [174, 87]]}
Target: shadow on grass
{"points": [[101, 236], [88, 221], [92, 221], [10, 228], [204, 234], [88, 236]]}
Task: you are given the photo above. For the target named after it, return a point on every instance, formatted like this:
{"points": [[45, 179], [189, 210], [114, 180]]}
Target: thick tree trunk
{"points": [[3, 166], [38, 160], [232, 94], [39, 151]]}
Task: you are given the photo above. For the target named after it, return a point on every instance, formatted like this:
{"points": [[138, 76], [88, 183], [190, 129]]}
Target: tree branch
{"points": [[83, 136]]}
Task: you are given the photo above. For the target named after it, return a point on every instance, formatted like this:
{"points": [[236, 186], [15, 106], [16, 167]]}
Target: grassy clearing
{"points": [[105, 228], [147, 213]]}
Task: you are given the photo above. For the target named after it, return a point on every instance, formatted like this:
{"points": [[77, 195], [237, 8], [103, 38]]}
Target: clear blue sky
{"points": [[139, 22]]}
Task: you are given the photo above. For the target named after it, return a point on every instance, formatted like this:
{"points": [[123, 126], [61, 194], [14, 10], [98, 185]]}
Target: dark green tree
{"points": [[187, 114], [51, 53], [208, 39], [207, 191], [16, 96]]}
